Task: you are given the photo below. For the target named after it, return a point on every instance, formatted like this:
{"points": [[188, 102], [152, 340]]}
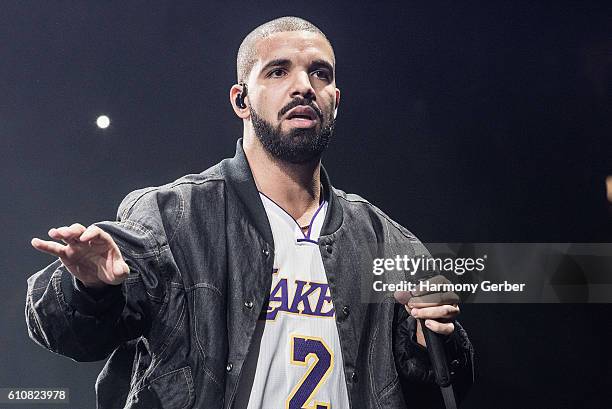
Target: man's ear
{"points": [[240, 112], [337, 103]]}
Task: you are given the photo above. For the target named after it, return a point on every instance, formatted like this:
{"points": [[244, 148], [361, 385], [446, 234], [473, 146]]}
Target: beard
{"points": [[299, 145]]}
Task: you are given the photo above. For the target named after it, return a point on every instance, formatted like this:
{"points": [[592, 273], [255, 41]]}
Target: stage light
{"points": [[103, 122], [609, 188]]}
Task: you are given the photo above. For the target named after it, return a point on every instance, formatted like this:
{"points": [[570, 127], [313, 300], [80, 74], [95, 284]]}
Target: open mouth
{"points": [[302, 116]]}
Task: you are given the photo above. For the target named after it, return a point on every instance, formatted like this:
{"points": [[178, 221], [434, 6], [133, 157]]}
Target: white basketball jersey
{"points": [[299, 364]]}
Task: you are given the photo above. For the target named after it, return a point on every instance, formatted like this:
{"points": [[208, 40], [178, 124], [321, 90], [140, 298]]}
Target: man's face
{"points": [[293, 95]]}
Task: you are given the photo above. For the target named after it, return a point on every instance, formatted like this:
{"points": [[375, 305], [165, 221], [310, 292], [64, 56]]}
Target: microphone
{"points": [[437, 354], [436, 350], [439, 363]]}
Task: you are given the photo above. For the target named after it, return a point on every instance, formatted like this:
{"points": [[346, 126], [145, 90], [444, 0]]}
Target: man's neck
{"points": [[294, 187]]}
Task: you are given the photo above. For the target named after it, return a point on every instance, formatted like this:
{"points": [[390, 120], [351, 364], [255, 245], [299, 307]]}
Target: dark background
{"points": [[479, 121]]}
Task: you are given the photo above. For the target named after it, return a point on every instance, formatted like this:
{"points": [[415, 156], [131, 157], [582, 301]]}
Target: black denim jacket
{"points": [[201, 253]]}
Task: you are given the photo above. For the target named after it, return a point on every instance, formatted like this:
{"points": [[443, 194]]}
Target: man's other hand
{"points": [[438, 309], [89, 254]]}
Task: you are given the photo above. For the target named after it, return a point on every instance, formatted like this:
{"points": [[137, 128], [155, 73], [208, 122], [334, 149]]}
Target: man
{"points": [[237, 287]]}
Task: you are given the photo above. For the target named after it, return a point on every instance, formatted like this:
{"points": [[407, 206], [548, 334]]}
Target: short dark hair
{"points": [[247, 54]]}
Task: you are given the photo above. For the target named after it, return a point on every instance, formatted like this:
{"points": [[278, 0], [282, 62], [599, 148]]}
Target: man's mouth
{"points": [[302, 116]]}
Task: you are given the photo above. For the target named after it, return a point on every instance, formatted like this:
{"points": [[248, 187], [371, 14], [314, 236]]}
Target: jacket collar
{"points": [[239, 177]]}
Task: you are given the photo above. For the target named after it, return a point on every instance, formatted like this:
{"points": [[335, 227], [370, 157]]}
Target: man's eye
{"points": [[322, 74], [276, 73]]}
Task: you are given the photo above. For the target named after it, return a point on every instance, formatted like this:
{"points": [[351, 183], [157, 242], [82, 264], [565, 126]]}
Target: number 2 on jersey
{"points": [[302, 349]]}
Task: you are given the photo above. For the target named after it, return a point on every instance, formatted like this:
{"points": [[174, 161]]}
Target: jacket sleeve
{"points": [[414, 367], [87, 325]]}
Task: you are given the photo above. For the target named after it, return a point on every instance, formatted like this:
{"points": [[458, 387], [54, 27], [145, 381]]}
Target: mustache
{"points": [[300, 101]]}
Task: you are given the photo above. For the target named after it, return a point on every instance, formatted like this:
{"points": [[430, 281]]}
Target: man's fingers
{"points": [[100, 262], [437, 312], [411, 304], [54, 233], [69, 234], [429, 300], [420, 295], [435, 281], [448, 297], [50, 247], [116, 269], [76, 229], [121, 269], [444, 328], [402, 297], [94, 232]]}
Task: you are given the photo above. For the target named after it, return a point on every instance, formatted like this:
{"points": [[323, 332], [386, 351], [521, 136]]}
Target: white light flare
{"points": [[103, 121]]}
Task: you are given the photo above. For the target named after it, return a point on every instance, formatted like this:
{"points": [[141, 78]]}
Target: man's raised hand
{"points": [[89, 254]]}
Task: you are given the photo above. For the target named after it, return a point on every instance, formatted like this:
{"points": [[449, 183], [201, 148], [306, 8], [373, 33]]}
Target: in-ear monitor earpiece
{"points": [[241, 96]]}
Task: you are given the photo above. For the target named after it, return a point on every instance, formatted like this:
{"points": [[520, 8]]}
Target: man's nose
{"points": [[302, 86]]}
